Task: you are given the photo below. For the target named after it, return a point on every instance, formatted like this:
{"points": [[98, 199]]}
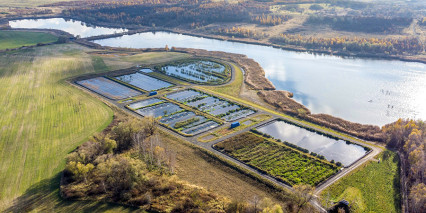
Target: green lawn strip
{"points": [[27, 3], [99, 64], [234, 87], [277, 160], [15, 39], [151, 58], [284, 116], [373, 187], [43, 117]]}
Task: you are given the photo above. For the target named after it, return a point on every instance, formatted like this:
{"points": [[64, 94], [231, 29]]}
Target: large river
{"points": [[369, 91]]}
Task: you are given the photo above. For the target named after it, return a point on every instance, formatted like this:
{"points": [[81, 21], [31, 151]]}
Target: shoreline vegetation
{"points": [[273, 42], [333, 27]]}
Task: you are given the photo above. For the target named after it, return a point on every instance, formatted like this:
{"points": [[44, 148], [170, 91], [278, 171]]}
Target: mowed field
{"points": [[232, 88], [374, 187], [14, 39], [27, 3], [42, 118]]}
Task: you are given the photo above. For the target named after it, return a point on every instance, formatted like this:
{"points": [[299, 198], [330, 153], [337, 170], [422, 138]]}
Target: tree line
{"points": [[409, 138], [177, 14], [270, 20], [240, 32], [370, 24], [388, 46]]}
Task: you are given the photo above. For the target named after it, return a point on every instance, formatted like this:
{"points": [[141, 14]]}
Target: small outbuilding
{"points": [[152, 93], [235, 124]]}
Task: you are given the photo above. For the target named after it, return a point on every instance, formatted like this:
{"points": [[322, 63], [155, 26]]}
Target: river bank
{"points": [[134, 29]]}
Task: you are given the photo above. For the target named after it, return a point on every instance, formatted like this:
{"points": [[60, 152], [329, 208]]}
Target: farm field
{"points": [[197, 71], [43, 118], [277, 160], [121, 60], [15, 39], [212, 105], [373, 187], [26, 3]]}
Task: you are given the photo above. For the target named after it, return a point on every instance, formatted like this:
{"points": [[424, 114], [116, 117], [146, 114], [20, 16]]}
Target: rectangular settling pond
{"points": [[215, 106], [108, 88], [175, 117], [331, 149], [144, 82]]}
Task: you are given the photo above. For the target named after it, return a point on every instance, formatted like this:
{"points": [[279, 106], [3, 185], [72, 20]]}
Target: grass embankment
{"points": [[234, 87], [122, 60], [15, 39], [374, 187], [156, 57], [276, 159]]}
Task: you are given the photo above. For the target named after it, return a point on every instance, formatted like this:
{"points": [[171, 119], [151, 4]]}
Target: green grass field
{"points": [[277, 159], [27, 3], [14, 39], [234, 87], [374, 187], [42, 119]]}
